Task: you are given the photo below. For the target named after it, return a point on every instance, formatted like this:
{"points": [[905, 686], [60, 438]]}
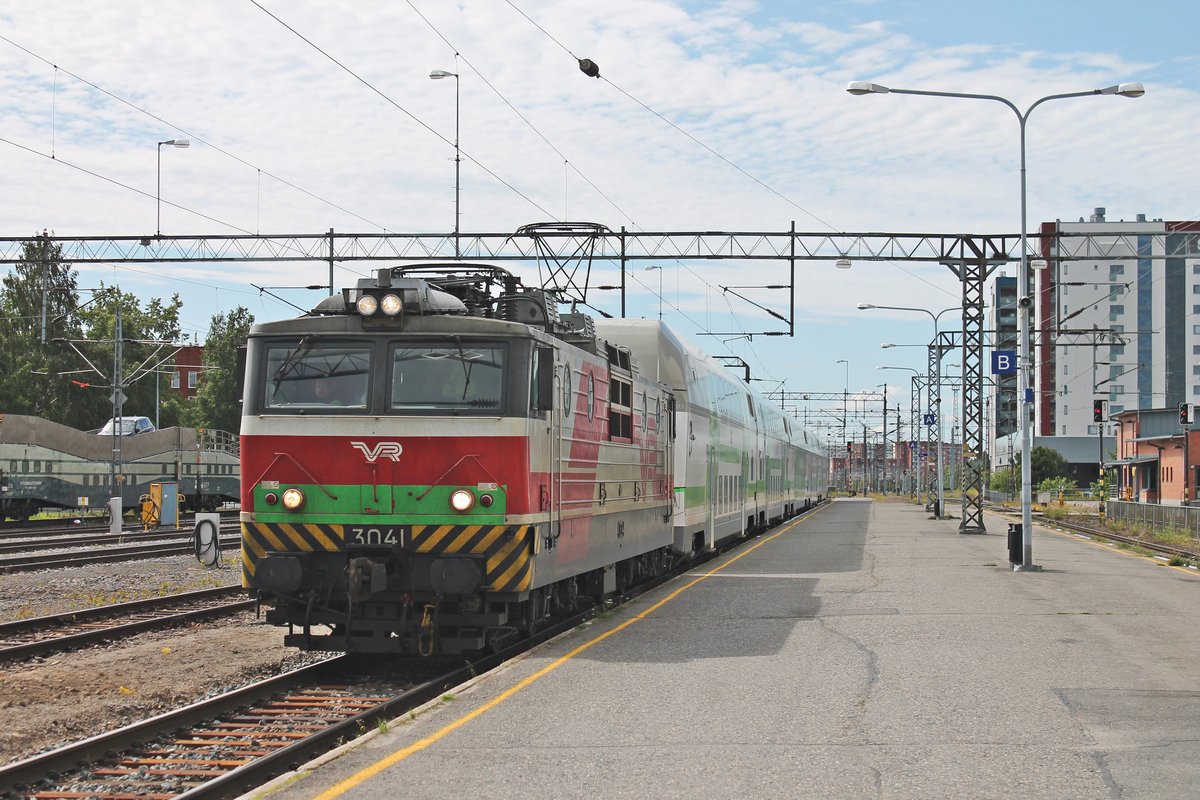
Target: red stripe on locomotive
{"points": [[424, 460]]}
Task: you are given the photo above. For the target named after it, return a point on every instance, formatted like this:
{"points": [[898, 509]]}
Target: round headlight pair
{"points": [[389, 304]]}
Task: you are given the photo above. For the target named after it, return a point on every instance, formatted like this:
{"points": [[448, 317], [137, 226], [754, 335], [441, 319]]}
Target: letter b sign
{"points": [[1004, 362]]}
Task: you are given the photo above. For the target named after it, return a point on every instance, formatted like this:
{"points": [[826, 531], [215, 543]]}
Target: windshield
{"points": [[459, 377], [317, 375]]}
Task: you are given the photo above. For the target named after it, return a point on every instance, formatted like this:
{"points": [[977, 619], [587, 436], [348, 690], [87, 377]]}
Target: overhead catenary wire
{"points": [[182, 130], [475, 70], [705, 146], [402, 109]]}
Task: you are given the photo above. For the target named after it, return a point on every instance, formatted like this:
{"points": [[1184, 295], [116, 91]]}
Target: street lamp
{"points": [[1024, 375], [912, 420], [660, 289], [437, 75], [935, 388], [846, 413], [158, 190]]}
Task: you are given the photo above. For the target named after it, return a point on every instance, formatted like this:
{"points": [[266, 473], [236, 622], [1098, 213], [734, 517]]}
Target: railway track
{"points": [[121, 552], [225, 746], [41, 636], [1156, 547], [1192, 553], [57, 527], [27, 544]]}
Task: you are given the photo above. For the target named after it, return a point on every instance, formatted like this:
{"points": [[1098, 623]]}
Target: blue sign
{"points": [[929, 419], [1028, 394], [912, 445], [924, 454], [1004, 362]]}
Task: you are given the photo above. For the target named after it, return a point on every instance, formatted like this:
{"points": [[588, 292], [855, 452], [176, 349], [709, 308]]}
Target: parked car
{"points": [[130, 426]]}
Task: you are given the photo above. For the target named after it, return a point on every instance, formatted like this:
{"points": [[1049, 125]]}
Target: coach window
{"points": [[307, 377], [448, 378], [620, 413], [591, 397]]}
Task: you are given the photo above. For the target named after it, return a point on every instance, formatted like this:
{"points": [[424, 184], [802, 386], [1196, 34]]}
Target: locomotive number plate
{"points": [[392, 535]]}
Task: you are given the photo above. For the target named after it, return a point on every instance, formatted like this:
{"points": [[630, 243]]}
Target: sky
{"points": [[305, 116]]}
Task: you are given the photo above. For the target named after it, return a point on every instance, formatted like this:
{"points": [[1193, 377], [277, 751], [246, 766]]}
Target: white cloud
{"points": [[769, 97]]}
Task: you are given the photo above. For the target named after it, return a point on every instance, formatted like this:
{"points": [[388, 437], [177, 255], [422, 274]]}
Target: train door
{"points": [[560, 418], [745, 482], [710, 504]]}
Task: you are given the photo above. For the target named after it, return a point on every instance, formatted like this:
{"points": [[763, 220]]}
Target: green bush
{"points": [[1056, 484]]}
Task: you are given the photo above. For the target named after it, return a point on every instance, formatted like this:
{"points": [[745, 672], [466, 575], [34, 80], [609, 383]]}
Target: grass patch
{"points": [[1176, 537]]}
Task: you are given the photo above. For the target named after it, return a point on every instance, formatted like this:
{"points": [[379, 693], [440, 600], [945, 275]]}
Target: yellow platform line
{"points": [[395, 758]]}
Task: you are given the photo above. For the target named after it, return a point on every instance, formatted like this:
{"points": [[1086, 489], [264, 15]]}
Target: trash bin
{"points": [[1016, 544]]}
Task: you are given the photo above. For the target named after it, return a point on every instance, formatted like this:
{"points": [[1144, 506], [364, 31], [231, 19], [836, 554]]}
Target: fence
{"points": [[1156, 516]]}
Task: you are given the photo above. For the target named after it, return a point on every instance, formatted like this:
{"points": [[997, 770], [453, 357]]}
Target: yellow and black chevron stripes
{"points": [[258, 538], [507, 549]]}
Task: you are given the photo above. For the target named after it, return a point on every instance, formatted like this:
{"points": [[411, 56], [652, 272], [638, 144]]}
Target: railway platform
{"points": [[864, 650]]}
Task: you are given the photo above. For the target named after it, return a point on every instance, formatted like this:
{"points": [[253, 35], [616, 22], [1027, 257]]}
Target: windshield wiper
{"points": [[283, 370], [466, 367]]}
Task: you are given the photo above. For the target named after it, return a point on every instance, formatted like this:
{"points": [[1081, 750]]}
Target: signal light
{"points": [[1098, 409], [1185, 414]]}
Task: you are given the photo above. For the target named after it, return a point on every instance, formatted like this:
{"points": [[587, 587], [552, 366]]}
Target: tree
{"points": [[1047, 463], [218, 402], [31, 379], [1004, 480], [141, 329]]}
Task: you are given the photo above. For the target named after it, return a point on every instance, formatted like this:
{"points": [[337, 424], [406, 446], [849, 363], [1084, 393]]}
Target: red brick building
{"points": [[188, 364], [1158, 460]]}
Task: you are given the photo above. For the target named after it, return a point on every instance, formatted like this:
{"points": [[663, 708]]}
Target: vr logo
{"points": [[390, 450]]}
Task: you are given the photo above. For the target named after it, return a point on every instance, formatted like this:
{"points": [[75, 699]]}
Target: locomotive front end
{"points": [[387, 500]]}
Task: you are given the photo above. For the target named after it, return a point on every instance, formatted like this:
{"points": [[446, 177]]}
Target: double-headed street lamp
{"points": [[1025, 300], [935, 389], [158, 188], [437, 75]]}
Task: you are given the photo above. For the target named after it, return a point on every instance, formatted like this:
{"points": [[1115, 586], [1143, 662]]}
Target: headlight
{"points": [[391, 305], [367, 305], [461, 500], [270, 498], [293, 499]]}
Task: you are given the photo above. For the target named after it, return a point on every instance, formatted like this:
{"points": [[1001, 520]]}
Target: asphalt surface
{"points": [[865, 651]]}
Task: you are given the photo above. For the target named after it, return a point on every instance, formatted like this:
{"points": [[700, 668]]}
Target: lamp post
{"points": [[437, 75], [935, 389], [845, 413], [912, 422], [181, 143], [1024, 374], [660, 289]]}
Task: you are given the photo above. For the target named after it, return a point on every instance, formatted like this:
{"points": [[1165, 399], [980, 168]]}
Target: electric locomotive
{"points": [[437, 460]]}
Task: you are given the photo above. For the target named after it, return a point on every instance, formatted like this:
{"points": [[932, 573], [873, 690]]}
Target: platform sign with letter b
{"points": [[1004, 362]]}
